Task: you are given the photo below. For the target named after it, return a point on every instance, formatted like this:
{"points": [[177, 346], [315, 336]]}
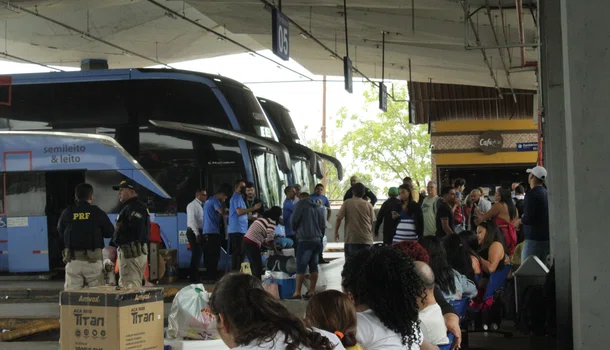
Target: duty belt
{"points": [[82, 255], [134, 249]]}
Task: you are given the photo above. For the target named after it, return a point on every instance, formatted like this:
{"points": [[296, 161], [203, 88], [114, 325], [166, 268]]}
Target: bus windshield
{"points": [[247, 110], [301, 174], [271, 180]]}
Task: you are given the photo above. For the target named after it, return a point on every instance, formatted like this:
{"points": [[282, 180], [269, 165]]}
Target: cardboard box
{"points": [[105, 318]]}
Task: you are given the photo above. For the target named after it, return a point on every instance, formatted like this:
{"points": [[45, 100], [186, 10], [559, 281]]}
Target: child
{"points": [[334, 312]]}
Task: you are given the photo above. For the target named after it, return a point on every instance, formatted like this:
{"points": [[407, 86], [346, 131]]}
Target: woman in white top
{"points": [[248, 317], [385, 288]]}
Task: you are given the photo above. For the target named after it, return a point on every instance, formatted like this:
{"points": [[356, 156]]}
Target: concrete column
{"points": [[554, 136], [584, 156]]}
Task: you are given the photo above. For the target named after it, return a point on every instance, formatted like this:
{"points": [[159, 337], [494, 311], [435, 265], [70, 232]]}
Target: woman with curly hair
{"points": [[334, 312], [385, 288], [453, 284], [248, 318]]}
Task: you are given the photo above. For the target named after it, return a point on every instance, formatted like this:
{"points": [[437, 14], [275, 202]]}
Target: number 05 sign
{"points": [[281, 35]]}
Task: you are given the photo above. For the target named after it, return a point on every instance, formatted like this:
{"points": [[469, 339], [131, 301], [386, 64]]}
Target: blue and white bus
{"points": [[186, 130]]}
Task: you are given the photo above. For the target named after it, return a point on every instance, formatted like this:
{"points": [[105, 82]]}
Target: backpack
{"points": [[532, 313], [520, 205]]}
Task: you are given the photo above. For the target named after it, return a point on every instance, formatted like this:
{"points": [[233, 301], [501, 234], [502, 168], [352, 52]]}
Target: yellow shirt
{"points": [[355, 347]]}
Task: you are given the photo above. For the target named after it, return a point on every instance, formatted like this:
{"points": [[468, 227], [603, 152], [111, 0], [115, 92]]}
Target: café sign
{"points": [[490, 141]]}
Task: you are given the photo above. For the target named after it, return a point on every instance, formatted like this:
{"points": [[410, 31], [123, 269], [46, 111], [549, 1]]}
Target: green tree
{"points": [[387, 147], [335, 188]]}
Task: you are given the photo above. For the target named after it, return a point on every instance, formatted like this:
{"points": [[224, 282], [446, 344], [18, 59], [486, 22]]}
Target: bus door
{"points": [[60, 194], [26, 221]]}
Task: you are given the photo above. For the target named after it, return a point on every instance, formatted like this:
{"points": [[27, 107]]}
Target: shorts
{"points": [[307, 255]]}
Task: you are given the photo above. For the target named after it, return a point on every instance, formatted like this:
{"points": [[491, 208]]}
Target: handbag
{"points": [[245, 268]]}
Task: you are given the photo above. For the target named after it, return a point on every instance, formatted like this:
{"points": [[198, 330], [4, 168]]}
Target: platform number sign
{"points": [[281, 35], [347, 74], [383, 97]]}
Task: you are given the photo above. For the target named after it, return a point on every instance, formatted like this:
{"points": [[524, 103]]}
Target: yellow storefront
{"points": [[485, 153]]}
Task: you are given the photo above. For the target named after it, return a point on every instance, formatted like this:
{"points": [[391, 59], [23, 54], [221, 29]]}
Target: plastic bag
{"points": [[245, 268], [270, 285], [190, 316]]}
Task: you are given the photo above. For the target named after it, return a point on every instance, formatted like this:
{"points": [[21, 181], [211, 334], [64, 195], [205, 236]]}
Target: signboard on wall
{"points": [[491, 141], [527, 146], [280, 35]]}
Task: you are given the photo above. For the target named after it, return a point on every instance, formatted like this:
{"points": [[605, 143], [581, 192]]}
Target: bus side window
{"points": [[25, 194]]}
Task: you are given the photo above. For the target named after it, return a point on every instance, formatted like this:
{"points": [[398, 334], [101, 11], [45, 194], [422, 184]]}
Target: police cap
{"points": [[128, 183]]}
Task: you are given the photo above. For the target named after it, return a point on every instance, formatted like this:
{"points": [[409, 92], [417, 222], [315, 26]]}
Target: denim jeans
{"points": [[307, 255], [352, 249], [539, 248]]}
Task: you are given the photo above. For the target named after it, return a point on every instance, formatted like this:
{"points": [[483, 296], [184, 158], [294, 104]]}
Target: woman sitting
{"points": [[471, 243], [504, 214], [460, 258], [492, 251], [453, 284], [410, 221], [334, 312], [492, 256], [385, 287], [250, 318]]}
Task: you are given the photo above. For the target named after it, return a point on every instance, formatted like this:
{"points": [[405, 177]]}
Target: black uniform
{"points": [[83, 226], [133, 224]]}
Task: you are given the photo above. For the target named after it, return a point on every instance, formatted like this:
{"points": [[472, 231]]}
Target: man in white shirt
{"points": [[478, 201], [432, 322], [194, 232]]}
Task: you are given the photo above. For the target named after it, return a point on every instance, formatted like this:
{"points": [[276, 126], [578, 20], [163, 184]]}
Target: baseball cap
{"points": [[393, 191], [538, 171], [125, 184]]}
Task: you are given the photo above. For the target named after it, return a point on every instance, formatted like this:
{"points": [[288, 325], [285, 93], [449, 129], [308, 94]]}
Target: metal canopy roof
{"points": [[143, 34]]}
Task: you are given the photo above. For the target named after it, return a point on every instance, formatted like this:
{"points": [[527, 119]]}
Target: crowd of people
{"points": [[437, 248]]}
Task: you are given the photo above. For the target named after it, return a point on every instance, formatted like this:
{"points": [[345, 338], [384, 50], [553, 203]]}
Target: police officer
{"points": [[83, 227], [131, 236]]}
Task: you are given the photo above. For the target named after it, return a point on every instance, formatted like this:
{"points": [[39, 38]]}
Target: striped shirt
{"points": [[260, 230], [406, 229]]}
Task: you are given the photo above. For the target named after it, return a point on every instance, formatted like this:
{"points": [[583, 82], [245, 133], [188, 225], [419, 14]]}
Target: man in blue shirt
{"points": [[238, 223], [535, 217], [213, 211], [289, 205], [320, 199]]}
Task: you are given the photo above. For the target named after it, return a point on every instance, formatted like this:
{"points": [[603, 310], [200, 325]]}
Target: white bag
{"points": [[190, 316]]}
